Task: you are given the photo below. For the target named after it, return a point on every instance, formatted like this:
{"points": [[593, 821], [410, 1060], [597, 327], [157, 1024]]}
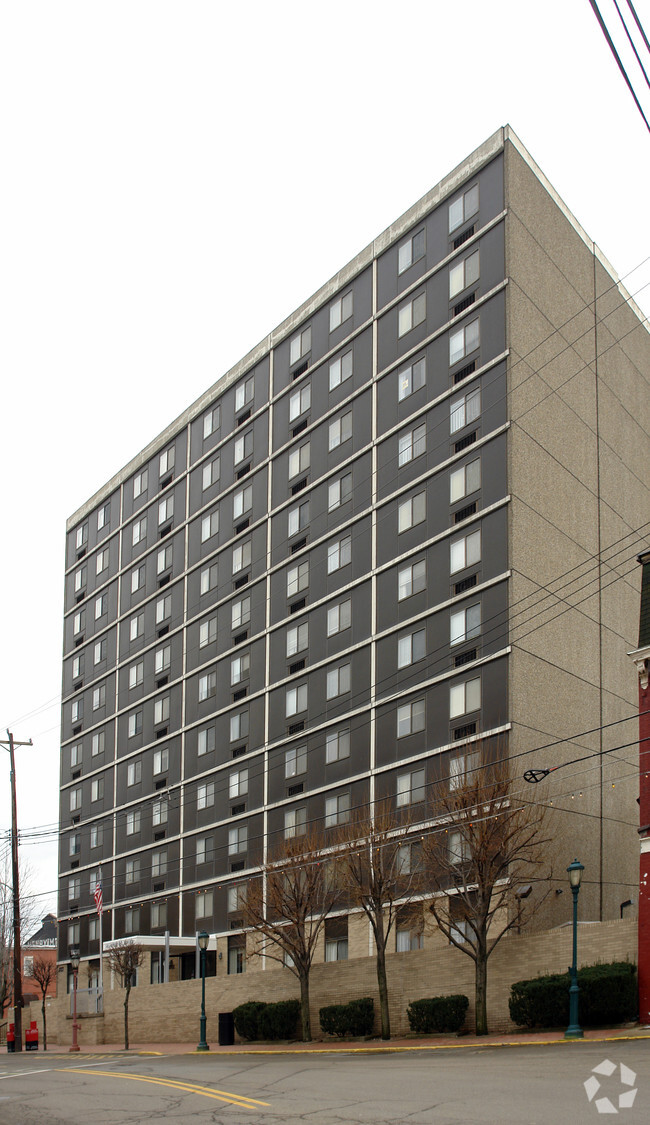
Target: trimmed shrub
{"points": [[246, 1018], [279, 1020], [354, 1019], [608, 994], [438, 1013]]}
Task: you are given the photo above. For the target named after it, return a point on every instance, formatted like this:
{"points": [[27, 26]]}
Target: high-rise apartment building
{"points": [[405, 522]]}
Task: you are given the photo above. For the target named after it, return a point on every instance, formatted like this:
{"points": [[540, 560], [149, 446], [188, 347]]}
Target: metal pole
{"points": [[203, 1046], [75, 1026], [574, 1031], [18, 977]]}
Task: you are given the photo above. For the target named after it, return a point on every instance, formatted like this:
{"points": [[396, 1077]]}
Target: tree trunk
{"points": [[126, 1020], [304, 1007], [44, 1025], [382, 981], [480, 991]]}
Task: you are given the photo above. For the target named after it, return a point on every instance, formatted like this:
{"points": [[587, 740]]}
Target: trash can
{"points": [[226, 1029], [11, 1038], [31, 1037]]}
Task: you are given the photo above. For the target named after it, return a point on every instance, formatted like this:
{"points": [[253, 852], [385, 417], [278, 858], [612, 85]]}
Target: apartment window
{"points": [[411, 250], [207, 686], [337, 810], [204, 849], [295, 761], [75, 799], [78, 622], [99, 697], [298, 518], [464, 552], [211, 422], [465, 624], [411, 378], [412, 444], [243, 447], [240, 667], [409, 930], [77, 667], [80, 579], [295, 700], [410, 718], [210, 525], [159, 812], [464, 697], [411, 648], [463, 342], [241, 557], [73, 933], [297, 578], [238, 784], [164, 559], [207, 741], [132, 822], [140, 483], [205, 795], [138, 578], [207, 632], [336, 939], [74, 888], [338, 681], [340, 430], [465, 480], [340, 311], [74, 844], [102, 561], [237, 954], [237, 839], [299, 402], [339, 617], [411, 579], [77, 711], [340, 369], [163, 609], [103, 517], [240, 613], [463, 274], [166, 461], [208, 578], [165, 510], [463, 208], [204, 904], [93, 929], [236, 898], [139, 531], [410, 788], [99, 651], [461, 768], [132, 920], [136, 674], [464, 410], [97, 789], [134, 773], [339, 492], [136, 627], [411, 314], [161, 710], [299, 460], [295, 822], [158, 915], [96, 835], [160, 761], [97, 745], [101, 606], [158, 864], [245, 393], [135, 723], [242, 502], [81, 536], [297, 639], [337, 745], [459, 851], [132, 870], [162, 659], [412, 512], [300, 346], [238, 726], [339, 554], [211, 472]]}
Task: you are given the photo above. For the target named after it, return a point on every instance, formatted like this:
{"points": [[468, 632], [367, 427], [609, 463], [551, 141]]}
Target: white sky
{"points": [[179, 175]]}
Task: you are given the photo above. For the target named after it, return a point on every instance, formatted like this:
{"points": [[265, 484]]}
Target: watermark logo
{"points": [[619, 1088]]}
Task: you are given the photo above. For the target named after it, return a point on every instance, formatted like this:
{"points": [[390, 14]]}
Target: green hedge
{"points": [[246, 1018], [608, 994], [354, 1019], [438, 1013], [257, 1020]]}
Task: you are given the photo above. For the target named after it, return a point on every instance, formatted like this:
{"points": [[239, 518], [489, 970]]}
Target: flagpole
{"points": [[100, 910]]}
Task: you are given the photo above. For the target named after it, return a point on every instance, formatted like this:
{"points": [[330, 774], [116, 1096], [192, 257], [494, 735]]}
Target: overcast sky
{"points": [[178, 176]]}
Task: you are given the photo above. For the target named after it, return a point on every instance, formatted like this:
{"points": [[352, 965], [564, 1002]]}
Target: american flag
{"points": [[97, 895]]}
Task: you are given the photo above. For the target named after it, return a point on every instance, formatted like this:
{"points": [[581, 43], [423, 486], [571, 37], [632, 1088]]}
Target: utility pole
{"points": [[17, 954]]}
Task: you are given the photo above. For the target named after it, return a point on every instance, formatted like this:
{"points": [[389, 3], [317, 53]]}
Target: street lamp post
{"points": [[74, 961], [574, 1031], [203, 945]]}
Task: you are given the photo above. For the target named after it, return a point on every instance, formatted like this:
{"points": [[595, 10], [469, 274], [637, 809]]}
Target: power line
{"points": [[622, 69]]}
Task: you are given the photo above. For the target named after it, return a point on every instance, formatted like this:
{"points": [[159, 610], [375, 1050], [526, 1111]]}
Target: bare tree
{"points": [[379, 863], [44, 973], [287, 906], [123, 960], [485, 861], [28, 915]]}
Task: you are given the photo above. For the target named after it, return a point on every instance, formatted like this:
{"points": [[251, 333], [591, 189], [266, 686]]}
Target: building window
{"points": [[465, 480], [411, 250], [237, 839], [158, 864], [240, 668], [96, 835], [412, 444], [140, 483], [411, 648], [336, 939], [210, 473], [338, 681], [237, 954], [339, 554], [161, 710], [158, 915], [80, 579], [81, 536], [465, 552], [463, 274], [204, 904], [299, 402], [463, 208], [337, 810], [461, 767], [165, 510], [205, 795], [132, 822], [243, 447], [411, 378], [166, 461], [412, 512], [411, 314], [102, 561], [132, 870], [134, 773], [237, 784], [164, 559], [138, 579], [340, 311], [136, 674], [139, 531], [97, 789], [132, 920], [207, 632], [77, 711], [298, 519], [464, 410], [410, 926], [340, 430], [207, 686], [162, 659], [208, 578], [73, 933], [339, 617], [210, 525], [297, 638], [163, 609], [204, 849], [160, 761], [299, 460], [411, 579], [295, 823], [463, 342], [74, 844], [458, 848], [136, 626], [244, 393], [465, 624], [103, 517], [337, 745], [240, 613], [339, 492], [99, 651], [242, 502], [241, 557], [77, 667], [93, 929], [97, 744], [239, 726], [297, 578], [207, 740], [99, 697], [410, 718], [295, 761], [135, 723], [78, 622], [410, 788], [300, 346], [465, 697], [75, 799], [295, 700], [159, 812], [340, 369], [101, 606], [236, 898], [211, 422]]}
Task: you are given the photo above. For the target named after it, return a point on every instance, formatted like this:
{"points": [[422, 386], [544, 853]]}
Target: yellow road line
{"points": [[188, 1087]]}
